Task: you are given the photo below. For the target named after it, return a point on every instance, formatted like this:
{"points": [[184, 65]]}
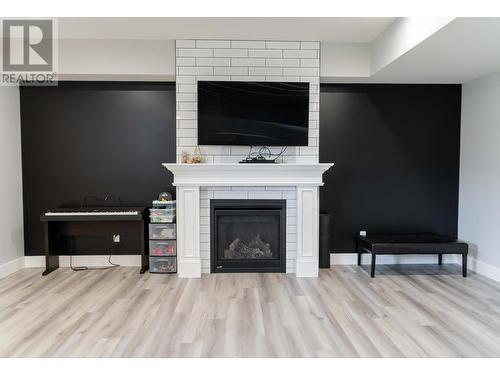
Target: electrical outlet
{"points": [[116, 238], [362, 233]]}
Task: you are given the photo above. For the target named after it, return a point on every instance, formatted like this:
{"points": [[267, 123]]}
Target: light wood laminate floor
{"points": [[406, 311]]}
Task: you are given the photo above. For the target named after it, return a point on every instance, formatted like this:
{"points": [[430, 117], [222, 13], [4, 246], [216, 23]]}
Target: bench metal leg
{"points": [[464, 265], [440, 259], [372, 273]]}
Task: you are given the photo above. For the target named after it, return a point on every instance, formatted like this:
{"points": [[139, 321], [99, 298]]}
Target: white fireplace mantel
{"points": [[188, 178], [226, 174]]}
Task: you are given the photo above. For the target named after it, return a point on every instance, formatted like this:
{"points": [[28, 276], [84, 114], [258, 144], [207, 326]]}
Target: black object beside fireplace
{"points": [[247, 235]]}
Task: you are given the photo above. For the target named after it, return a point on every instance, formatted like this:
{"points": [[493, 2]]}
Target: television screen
{"points": [[253, 113]]}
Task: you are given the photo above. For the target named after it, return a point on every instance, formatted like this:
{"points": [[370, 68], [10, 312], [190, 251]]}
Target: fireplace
{"points": [[247, 235], [198, 184]]}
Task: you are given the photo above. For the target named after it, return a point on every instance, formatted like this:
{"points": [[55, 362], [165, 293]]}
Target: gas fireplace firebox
{"points": [[247, 235]]}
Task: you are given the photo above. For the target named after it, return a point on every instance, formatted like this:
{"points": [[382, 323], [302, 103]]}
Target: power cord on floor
{"points": [[85, 268]]}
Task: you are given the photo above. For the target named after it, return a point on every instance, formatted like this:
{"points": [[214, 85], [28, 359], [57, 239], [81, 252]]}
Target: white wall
{"points": [[479, 204], [11, 205], [117, 59], [344, 60], [135, 59]]}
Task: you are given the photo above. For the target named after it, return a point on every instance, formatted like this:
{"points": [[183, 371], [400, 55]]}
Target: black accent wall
{"points": [[396, 154], [94, 138], [395, 149]]}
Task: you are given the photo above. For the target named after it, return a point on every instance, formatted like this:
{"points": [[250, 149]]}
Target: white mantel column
{"points": [[307, 231], [188, 231]]}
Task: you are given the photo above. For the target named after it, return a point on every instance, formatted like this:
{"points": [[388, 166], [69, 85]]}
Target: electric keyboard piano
{"points": [[93, 221], [94, 213]]}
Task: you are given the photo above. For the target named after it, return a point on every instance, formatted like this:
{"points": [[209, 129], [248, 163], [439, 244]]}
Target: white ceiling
{"points": [[462, 50], [346, 30], [465, 49]]}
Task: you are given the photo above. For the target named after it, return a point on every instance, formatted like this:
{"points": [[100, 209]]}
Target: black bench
{"points": [[405, 244]]}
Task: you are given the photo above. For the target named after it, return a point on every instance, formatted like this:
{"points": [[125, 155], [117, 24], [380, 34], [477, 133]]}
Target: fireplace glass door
{"points": [[248, 235]]}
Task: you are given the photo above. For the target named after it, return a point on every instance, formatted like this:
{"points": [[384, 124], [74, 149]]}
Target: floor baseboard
{"points": [[481, 268], [352, 259], [484, 269], [10, 267], [37, 261], [86, 260]]}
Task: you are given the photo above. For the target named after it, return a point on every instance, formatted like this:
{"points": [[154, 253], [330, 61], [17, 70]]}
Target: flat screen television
{"points": [[253, 113]]}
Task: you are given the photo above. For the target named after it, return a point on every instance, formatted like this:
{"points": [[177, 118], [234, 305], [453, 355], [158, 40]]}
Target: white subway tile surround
{"points": [[244, 60]]}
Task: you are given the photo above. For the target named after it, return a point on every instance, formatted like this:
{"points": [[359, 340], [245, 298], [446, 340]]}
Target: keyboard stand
{"points": [[51, 248], [92, 226]]}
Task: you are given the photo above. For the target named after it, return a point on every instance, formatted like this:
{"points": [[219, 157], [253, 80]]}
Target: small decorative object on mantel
{"points": [[185, 157], [197, 157]]}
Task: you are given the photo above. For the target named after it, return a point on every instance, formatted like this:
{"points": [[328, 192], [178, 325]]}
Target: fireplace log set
{"points": [[256, 249]]}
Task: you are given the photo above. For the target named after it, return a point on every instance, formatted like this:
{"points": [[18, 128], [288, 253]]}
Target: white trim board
{"points": [[335, 259], [484, 269], [10, 267], [86, 260]]}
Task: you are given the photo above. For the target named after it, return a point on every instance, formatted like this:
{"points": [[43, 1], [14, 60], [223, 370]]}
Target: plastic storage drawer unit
{"points": [[162, 264], [162, 248], [164, 204], [162, 215], [162, 232]]}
